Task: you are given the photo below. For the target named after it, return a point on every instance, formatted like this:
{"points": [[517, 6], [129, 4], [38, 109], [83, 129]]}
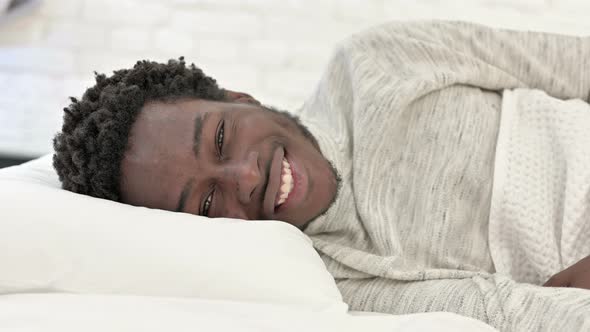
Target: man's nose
{"points": [[247, 177]]}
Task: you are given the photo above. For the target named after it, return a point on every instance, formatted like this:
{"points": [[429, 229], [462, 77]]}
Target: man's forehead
{"points": [[166, 110], [162, 131], [184, 105]]}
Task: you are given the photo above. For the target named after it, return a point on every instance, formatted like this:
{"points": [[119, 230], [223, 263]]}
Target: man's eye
{"points": [[219, 138], [207, 205]]}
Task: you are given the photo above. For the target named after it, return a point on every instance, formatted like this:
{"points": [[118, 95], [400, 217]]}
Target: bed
{"points": [[73, 262]]}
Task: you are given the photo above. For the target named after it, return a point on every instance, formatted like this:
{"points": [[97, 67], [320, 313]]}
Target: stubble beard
{"points": [[309, 136]]}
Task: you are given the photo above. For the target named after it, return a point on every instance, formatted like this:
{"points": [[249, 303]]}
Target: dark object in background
{"points": [[6, 161], [12, 9]]}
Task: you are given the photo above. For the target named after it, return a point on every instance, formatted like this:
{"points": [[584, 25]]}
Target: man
{"points": [[408, 115]]}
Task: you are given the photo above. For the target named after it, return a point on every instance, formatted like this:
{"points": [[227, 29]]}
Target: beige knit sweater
{"points": [[409, 113]]}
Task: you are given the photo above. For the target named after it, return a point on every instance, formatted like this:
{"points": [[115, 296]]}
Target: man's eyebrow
{"points": [[184, 195], [198, 131], [199, 121]]}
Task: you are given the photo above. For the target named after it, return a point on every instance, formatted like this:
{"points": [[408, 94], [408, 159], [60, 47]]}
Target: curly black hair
{"points": [[90, 147]]}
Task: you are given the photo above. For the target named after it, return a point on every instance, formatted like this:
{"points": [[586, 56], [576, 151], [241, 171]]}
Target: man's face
{"points": [[225, 159]]}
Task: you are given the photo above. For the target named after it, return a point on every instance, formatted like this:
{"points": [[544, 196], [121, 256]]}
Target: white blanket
{"points": [[540, 212], [69, 312]]}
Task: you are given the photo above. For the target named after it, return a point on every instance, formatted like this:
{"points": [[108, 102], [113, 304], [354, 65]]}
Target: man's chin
{"points": [[323, 212], [338, 180], [309, 136]]}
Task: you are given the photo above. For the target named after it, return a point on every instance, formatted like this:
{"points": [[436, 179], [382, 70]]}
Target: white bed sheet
{"points": [[76, 312]]}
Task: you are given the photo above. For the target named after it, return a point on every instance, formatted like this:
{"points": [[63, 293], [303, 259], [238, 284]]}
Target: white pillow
{"points": [[53, 240]]}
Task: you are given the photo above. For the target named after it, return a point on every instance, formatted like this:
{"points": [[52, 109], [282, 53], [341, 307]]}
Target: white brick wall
{"points": [[272, 49]]}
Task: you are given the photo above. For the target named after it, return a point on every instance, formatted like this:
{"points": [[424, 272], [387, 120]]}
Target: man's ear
{"points": [[240, 97]]}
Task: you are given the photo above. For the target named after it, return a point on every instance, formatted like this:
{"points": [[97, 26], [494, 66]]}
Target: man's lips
{"points": [[272, 187]]}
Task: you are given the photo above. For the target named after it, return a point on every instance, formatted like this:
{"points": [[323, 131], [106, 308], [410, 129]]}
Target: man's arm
{"points": [[457, 52], [577, 275], [494, 299]]}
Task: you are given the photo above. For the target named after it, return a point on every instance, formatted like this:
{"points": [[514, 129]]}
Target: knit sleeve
{"points": [[495, 299], [443, 53]]}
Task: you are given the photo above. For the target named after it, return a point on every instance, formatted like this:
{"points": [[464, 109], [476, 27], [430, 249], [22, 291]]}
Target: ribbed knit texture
{"points": [[409, 113]]}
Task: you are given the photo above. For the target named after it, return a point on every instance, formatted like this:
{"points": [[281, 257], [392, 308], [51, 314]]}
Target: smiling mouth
{"points": [[286, 183], [272, 185]]}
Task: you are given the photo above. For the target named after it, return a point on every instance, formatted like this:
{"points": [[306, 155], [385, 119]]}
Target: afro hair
{"points": [[91, 145]]}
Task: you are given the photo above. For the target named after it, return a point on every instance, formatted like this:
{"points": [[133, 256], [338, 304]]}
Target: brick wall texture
{"points": [[272, 49]]}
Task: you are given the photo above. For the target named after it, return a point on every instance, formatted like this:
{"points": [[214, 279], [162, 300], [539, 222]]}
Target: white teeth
{"points": [[286, 183], [287, 179], [285, 188]]}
